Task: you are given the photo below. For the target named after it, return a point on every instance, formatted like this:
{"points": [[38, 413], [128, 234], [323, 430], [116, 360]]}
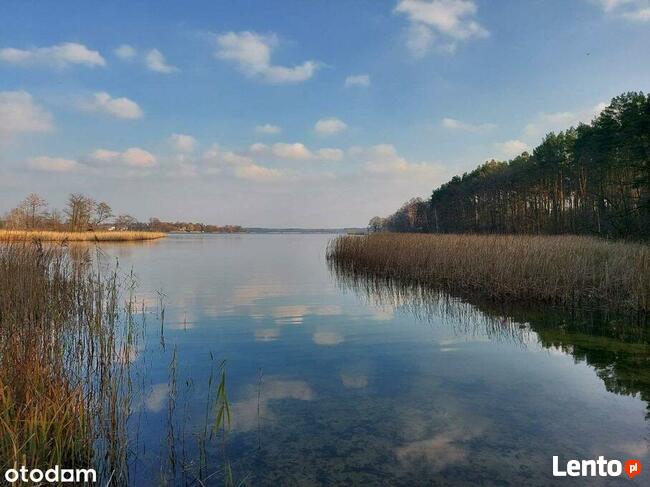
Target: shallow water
{"points": [[332, 382]]}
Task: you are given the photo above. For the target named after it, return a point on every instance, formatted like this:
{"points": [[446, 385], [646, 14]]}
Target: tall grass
{"points": [[63, 362], [90, 236], [569, 271]]}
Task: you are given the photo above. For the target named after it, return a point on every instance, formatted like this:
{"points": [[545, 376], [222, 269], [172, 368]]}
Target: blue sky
{"points": [[294, 113]]}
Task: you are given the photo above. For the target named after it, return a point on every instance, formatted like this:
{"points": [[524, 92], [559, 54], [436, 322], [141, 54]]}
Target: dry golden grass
{"points": [[61, 380], [100, 236], [563, 270]]}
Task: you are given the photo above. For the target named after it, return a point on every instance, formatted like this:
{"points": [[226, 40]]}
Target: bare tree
{"points": [[124, 222], [79, 211], [102, 212], [34, 208]]}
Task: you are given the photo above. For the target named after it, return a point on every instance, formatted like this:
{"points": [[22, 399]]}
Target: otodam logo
{"points": [[596, 468]]}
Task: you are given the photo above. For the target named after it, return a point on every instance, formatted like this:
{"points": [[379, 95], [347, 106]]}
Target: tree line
{"points": [[82, 213], [590, 179]]}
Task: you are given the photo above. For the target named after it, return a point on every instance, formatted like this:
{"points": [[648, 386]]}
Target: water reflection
{"points": [[349, 380], [617, 347]]}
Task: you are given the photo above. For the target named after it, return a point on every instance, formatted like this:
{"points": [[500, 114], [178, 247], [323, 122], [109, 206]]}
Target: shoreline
{"points": [[90, 236]]}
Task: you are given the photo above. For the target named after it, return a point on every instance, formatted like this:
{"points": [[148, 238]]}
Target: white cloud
{"points": [[454, 124], [383, 159], [59, 56], [362, 80], [554, 122], [450, 21], [633, 10], [132, 157], [419, 39], [328, 154], [182, 142], [268, 129], [19, 114], [252, 54], [329, 126], [155, 61], [52, 164], [125, 52], [254, 172], [116, 107], [240, 166], [511, 148], [295, 152]]}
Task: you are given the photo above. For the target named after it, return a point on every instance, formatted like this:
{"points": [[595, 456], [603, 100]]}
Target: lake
{"points": [[335, 381]]}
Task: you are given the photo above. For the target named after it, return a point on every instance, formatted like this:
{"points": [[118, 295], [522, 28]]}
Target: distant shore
{"points": [[90, 236]]}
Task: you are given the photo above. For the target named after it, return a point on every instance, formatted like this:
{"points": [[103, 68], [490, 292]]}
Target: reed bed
{"points": [[63, 379], [569, 271], [90, 236]]}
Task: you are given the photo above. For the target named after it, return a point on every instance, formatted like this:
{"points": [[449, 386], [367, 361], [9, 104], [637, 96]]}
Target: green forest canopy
{"points": [[590, 179]]}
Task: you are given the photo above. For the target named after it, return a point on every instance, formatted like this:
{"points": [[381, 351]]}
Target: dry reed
{"points": [[90, 236], [570, 271], [62, 377]]}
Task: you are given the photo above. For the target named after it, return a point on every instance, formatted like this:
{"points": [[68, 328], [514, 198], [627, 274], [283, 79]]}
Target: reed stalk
{"points": [[569, 271]]}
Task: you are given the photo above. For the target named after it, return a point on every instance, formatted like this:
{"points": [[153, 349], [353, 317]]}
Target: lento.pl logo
{"points": [[55, 474], [596, 468]]}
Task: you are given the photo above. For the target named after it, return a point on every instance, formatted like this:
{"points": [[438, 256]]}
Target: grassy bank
{"points": [[569, 271], [100, 236], [63, 375]]}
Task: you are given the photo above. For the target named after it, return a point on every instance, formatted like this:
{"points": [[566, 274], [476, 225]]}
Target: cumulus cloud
{"points": [[182, 142], [133, 157], [251, 52], [295, 152], [328, 154], [116, 107], [632, 10], [58, 56], [454, 124], [155, 61], [125, 52], [330, 126], [445, 22], [254, 172], [554, 122], [19, 114], [511, 148], [240, 166], [362, 80], [268, 129], [52, 164], [383, 159]]}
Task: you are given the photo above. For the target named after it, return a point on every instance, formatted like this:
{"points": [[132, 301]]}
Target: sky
{"points": [[294, 113]]}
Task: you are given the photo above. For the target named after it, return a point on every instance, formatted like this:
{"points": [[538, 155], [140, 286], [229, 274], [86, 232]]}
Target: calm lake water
{"points": [[333, 383]]}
